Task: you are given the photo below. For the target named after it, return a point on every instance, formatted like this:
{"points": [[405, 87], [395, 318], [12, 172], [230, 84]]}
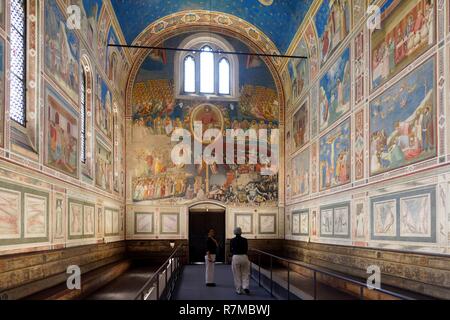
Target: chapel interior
{"points": [[342, 172]]}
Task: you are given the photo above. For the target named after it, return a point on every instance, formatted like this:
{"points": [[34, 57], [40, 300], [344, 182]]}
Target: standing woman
{"points": [[210, 258]]}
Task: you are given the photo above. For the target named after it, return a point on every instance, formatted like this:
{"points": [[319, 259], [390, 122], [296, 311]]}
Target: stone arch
{"points": [[215, 205]]}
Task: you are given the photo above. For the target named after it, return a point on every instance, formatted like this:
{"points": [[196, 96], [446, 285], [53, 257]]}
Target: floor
{"points": [[126, 286], [191, 286]]}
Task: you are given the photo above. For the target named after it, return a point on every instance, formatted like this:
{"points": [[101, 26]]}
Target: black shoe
{"points": [[210, 284], [247, 292]]}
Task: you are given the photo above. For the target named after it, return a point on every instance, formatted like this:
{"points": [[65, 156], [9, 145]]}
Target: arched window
{"points": [[18, 62], [207, 70], [189, 75], [83, 112], [224, 76]]}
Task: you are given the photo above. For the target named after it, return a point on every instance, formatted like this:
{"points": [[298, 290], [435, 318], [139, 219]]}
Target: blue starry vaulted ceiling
{"points": [[278, 19]]}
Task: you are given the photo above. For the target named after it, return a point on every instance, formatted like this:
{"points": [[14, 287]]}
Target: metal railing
{"points": [[161, 285], [362, 285]]}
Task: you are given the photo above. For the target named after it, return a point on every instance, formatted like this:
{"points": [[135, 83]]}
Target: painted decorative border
{"points": [[3, 87], [59, 217]]}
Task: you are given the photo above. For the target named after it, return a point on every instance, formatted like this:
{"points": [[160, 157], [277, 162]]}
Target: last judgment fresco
{"points": [[157, 113]]}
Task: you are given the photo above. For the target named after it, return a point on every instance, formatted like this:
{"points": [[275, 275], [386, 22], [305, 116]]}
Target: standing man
{"points": [[240, 263], [210, 258]]}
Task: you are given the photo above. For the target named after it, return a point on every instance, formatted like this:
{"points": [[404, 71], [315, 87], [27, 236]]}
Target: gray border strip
{"points": [[334, 207], [299, 213], [177, 214], [244, 214], [153, 222], [112, 218], [83, 204], [431, 191], [274, 215], [23, 190]]}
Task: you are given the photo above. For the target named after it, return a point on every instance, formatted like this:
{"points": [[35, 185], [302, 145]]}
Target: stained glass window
{"points": [[207, 74], [189, 75], [224, 76], [18, 63]]}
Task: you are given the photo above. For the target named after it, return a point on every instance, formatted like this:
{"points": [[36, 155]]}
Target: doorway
{"points": [[199, 224]]}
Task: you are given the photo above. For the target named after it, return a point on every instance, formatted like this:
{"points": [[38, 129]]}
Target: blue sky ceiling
{"points": [[279, 21]]}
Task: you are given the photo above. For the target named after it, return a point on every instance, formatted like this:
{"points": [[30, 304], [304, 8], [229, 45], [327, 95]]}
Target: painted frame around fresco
{"points": [[59, 217], [433, 97], [300, 213], [21, 192], [301, 114], [152, 217], [162, 225], [82, 234], [332, 208], [374, 86], [343, 131], [429, 192], [249, 222], [33, 205], [273, 225], [2, 88], [114, 222], [70, 115]]}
